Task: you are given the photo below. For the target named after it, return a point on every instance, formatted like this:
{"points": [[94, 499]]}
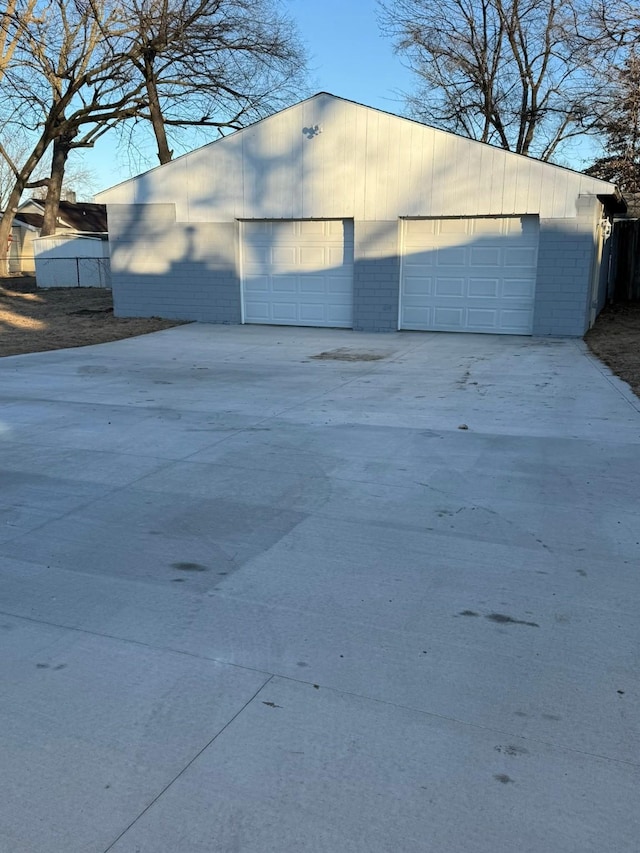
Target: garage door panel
{"points": [[420, 263], [284, 284], [256, 284], [339, 315], [484, 287], [298, 272], [451, 257], [525, 257], [259, 310], [453, 226], [450, 317], [486, 256], [312, 285], [449, 287], [517, 320], [416, 285], [340, 286], [285, 312], [418, 315], [420, 228], [312, 228], [484, 275], [483, 318], [518, 288], [339, 255], [312, 312], [487, 227], [282, 256], [312, 257]]}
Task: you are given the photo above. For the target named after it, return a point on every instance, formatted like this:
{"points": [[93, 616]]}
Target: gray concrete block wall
{"points": [[189, 270], [376, 276], [174, 270], [566, 253]]}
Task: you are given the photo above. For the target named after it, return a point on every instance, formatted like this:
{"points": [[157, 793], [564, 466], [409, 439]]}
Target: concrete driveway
{"points": [[256, 600]]}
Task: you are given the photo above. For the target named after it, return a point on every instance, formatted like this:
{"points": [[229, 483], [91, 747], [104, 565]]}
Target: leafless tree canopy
{"points": [[210, 63], [516, 73], [73, 70], [620, 125]]}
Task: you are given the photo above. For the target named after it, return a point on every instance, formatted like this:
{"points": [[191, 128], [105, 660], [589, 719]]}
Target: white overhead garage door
{"points": [[469, 275], [298, 273]]}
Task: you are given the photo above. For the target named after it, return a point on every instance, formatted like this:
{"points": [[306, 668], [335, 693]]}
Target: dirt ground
{"points": [[615, 339], [33, 320]]}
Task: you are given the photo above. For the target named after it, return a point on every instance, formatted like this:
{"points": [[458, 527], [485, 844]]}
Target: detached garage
{"points": [[331, 213]]}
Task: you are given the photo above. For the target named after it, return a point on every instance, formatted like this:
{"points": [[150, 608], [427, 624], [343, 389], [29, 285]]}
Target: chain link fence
{"points": [[73, 272]]}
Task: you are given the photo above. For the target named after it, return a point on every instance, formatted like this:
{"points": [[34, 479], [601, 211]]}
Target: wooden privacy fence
{"points": [[626, 261]]}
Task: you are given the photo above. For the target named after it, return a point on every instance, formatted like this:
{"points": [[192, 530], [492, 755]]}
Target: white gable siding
{"points": [[364, 164]]}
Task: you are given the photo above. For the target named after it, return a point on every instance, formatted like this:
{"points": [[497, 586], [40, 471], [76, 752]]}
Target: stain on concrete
{"points": [[511, 749], [271, 705], [502, 777], [503, 619], [468, 613], [92, 369], [348, 354], [189, 567]]}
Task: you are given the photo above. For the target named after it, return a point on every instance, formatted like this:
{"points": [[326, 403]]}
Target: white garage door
{"points": [[469, 275], [298, 273]]}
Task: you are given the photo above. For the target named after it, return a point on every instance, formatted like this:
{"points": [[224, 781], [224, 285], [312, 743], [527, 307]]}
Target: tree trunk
{"points": [[61, 149], [155, 111], [21, 181]]}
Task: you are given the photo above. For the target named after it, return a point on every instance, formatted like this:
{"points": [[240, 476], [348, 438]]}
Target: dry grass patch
{"points": [[37, 320], [615, 339]]}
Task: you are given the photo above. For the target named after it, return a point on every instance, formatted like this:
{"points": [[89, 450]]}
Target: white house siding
{"points": [[362, 165]]}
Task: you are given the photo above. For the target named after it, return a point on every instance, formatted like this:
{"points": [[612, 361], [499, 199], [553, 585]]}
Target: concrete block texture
{"points": [[566, 255], [171, 269], [376, 276], [189, 271]]}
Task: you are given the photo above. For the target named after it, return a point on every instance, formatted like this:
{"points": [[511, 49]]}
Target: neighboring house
{"points": [[331, 213], [73, 218]]}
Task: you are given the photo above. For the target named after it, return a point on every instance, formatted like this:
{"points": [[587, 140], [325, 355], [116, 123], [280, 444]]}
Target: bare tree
{"points": [[63, 88], [620, 125], [212, 63], [14, 19], [76, 70], [516, 73]]}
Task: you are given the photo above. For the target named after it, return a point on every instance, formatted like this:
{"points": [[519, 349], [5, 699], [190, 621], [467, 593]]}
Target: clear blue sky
{"points": [[347, 57]]}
